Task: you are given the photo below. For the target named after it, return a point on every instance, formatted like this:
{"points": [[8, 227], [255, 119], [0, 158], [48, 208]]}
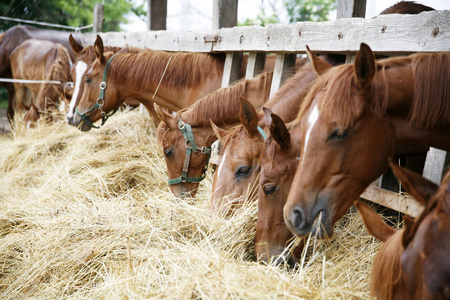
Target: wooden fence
{"points": [[387, 35]]}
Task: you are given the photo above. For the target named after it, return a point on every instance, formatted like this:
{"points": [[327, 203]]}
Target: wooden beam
{"points": [[98, 18], [399, 202], [435, 164], [224, 13], [403, 34], [232, 68], [283, 65], [157, 15], [255, 64]]}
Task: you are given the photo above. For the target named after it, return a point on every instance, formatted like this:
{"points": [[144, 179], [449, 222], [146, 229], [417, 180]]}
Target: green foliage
{"points": [[309, 10], [262, 19], [69, 12]]}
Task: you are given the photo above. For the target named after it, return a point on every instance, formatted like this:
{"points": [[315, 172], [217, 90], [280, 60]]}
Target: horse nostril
{"points": [[298, 218]]}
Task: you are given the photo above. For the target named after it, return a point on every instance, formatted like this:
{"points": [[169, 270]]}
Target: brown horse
{"points": [[12, 38], [353, 118], [39, 60], [172, 80], [222, 107], [84, 61], [414, 262]]}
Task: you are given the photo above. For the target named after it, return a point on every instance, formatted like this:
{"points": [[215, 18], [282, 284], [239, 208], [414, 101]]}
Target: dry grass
{"points": [[89, 215]]}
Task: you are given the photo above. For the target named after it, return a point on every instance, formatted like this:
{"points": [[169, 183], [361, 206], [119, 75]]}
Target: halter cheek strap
{"points": [[191, 146], [262, 132], [100, 101]]}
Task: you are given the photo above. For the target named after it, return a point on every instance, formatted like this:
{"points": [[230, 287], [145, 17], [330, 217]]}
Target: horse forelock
{"points": [[180, 70], [387, 271]]}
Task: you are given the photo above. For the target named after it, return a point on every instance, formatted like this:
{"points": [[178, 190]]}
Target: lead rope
{"points": [[162, 76]]}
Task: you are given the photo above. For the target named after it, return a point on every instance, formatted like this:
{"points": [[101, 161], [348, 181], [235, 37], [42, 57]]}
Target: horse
{"points": [[39, 60], [168, 84], [413, 262], [184, 167], [83, 62], [12, 38], [353, 118]]}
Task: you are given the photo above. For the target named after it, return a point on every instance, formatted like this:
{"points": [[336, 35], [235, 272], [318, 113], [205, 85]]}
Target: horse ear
{"points": [[165, 116], [365, 65], [219, 132], [420, 188], [98, 46], [74, 44], [248, 117], [373, 222], [409, 230], [278, 130], [320, 66]]}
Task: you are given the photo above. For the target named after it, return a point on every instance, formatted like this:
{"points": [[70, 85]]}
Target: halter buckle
{"points": [[103, 85], [181, 125], [100, 104]]}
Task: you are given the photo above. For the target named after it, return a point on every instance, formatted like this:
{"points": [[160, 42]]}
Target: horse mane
{"points": [[2, 36], [387, 269], [183, 69], [224, 104], [430, 107]]}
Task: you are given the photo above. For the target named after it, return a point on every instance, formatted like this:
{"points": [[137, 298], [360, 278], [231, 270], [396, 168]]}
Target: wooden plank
{"points": [[232, 68], [435, 164], [351, 9], [156, 14], [283, 64], [224, 13], [398, 202], [426, 32], [255, 64], [98, 18]]}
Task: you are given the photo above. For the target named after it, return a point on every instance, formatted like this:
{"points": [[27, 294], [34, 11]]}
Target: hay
{"points": [[89, 215]]}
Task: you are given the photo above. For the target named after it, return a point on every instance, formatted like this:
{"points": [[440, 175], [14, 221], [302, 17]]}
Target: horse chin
{"points": [[322, 227], [83, 126]]}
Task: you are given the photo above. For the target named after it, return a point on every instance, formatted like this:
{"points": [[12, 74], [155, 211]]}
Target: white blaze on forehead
{"points": [[222, 162], [312, 119], [80, 69]]}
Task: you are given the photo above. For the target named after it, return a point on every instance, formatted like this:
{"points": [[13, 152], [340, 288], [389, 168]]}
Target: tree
{"points": [[68, 12], [309, 10]]}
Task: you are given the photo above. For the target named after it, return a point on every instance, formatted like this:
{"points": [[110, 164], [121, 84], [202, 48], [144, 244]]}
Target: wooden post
{"points": [[224, 13], [434, 165], [157, 15], [283, 63], [98, 18], [351, 9], [255, 64]]}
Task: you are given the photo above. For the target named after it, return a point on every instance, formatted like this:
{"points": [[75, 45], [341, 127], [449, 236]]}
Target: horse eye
{"points": [[168, 153], [270, 189], [87, 80], [338, 134], [243, 172]]}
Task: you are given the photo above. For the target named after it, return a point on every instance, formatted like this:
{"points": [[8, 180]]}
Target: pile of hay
{"points": [[90, 215]]}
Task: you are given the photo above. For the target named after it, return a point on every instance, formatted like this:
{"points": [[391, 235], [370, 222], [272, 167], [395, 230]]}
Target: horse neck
{"points": [[286, 102], [166, 81], [222, 106]]}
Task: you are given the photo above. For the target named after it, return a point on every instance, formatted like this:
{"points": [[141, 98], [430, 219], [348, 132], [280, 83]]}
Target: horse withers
{"points": [[414, 262]]}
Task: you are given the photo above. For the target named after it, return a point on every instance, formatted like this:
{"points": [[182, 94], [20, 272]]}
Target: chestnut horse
{"points": [[12, 38], [85, 58], [187, 168], [353, 118], [414, 262], [39, 60]]}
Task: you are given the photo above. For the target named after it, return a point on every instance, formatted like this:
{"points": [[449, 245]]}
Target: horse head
{"points": [[235, 179], [340, 135], [279, 160], [184, 151], [413, 262]]}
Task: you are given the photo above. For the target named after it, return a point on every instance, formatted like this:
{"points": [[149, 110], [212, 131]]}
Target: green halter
{"points": [[100, 102], [186, 130]]}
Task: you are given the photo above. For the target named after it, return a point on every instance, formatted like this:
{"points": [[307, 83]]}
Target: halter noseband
{"points": [[186, 130], [100, 102]]}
